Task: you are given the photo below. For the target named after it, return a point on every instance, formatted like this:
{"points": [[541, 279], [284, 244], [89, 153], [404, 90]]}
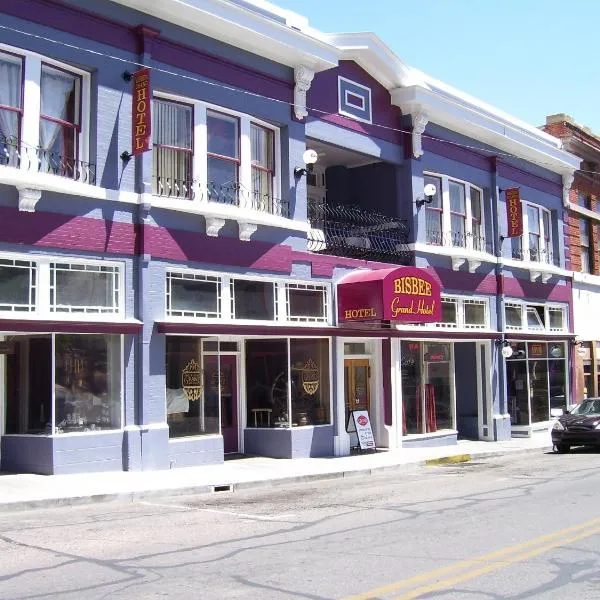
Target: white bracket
{"points": [[546, 277], [567, 183], [213, 226], [420, 121], [246, 231], [473, 264], [533, 275], [303, 77], [458, 262], [28, 198]]}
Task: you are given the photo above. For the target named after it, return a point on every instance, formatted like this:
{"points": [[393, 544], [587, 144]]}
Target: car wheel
{"points": [[563, 448]]}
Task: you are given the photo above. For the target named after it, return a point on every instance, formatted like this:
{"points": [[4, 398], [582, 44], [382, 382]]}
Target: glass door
{"points": [[358, 387]]}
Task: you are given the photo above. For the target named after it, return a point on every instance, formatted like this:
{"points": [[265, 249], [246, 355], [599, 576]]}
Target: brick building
{"points": [[582, 233]]}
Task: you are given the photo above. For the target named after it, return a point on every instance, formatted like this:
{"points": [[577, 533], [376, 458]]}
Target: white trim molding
{"points": [[303, 77], [247, 230]]}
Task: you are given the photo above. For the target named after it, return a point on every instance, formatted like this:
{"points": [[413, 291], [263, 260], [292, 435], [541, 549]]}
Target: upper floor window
{"points": [[455, 215], [536, 242], [205, 153], [534, 317], [45, 129], [585, 235]]}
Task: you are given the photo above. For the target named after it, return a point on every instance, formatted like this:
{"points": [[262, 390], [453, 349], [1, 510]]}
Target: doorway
{"points": [[227, 373], [357, 391]]}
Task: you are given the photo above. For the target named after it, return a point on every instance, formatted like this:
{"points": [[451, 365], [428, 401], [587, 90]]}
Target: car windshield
{"points": [[587, 407]]}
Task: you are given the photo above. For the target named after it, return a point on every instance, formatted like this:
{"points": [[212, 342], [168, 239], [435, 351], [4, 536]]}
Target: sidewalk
{"points": [[25, 491]]}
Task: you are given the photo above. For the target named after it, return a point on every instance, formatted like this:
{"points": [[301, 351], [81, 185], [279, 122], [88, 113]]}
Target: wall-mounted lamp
{"points": [[429, 192], [579, 345], [126, 156], [507, 350], [556, 351], [310, 158]]}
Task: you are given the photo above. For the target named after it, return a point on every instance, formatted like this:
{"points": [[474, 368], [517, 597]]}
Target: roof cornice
{"points": [[237, 24]]}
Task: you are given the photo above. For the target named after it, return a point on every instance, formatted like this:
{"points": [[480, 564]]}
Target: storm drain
{"points": [[223, 488]]}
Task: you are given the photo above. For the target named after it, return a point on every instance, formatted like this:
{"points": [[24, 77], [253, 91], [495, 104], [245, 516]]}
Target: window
{"points": [[86, 380], [263, 164], [223, 157], [449, 312], [11, 106], [460, 312], [84, 288], [585, 235], [172, 149], [17, 285], [534, 317], [475, 313], [253, 300], [306, 302], [536, 242], [455, 217], [55, 106], [193, 295], [60, 118]]}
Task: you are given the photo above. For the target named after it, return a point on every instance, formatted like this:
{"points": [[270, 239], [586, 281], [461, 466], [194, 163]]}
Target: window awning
{"points": [[400, 294], [43, 326]]}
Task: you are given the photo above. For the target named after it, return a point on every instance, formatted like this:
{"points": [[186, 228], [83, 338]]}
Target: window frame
{"points": [[460, 324], [33, 285], [546, 241], [525, 308], [200, 144], [585, 226], [447, 235], [192, 276], [19, 111]]}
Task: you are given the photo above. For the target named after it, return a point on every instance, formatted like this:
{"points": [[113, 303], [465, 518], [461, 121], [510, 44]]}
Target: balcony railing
{"points": [[357, 233], [455, 239], [542, 256], [233, 194], [39, 160]]}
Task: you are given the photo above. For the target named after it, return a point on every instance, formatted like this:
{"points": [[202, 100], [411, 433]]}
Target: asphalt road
{"points": [[517, 527]]}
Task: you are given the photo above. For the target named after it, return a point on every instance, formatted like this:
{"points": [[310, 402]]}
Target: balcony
{"points": [[534, 255], [232, 194], [38, 160], [357, 233], [455, 239]]}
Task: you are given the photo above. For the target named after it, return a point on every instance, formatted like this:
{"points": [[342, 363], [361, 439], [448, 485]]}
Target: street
{"points": [[523, 526]]}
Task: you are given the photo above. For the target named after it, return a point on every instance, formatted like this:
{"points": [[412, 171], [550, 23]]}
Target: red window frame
{"points": [[259, 167], [237, 161], [19, 111]]}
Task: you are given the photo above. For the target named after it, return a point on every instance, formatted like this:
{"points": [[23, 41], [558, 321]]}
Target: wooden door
{"points": [[357, 375]]}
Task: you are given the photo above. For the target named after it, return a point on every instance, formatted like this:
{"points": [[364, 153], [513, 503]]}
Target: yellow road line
{"points": [[465, 564], [496, 566]]}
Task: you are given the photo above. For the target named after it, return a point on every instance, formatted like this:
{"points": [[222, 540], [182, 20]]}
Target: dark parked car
{"points": [[578, 427]]}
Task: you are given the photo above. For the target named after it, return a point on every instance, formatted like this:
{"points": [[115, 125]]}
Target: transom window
{"points": [[193, 295], [54, 114], [459, 312], [306, 303], [536, 242], [84, 288], [534, 317], [203, 152], [455, 216], [17, 285]]}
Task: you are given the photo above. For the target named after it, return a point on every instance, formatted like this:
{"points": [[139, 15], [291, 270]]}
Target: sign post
{"points": [[360, 424]]}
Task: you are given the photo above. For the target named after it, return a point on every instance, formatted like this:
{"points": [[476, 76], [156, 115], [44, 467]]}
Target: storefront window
{"points": [[191, 410], [310, 381], [87, 382], [427, 386], [269, 364]]}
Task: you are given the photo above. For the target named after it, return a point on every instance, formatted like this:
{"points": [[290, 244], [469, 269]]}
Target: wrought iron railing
{"points": [[40, 160], [534, 255], [234, 194], [357, 233], [455, 239]]}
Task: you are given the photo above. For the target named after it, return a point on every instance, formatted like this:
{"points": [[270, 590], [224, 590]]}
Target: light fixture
{"points": [[429, 192], [310, 158], [506, 350], [556, 351]]}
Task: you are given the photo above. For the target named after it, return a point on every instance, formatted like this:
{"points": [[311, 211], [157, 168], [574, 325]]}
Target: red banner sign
{"points": [[141, 119], [401, 294], [514, 213]]}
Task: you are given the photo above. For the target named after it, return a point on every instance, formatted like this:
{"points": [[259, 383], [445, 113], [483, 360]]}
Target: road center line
{"points": [[466, 564]]}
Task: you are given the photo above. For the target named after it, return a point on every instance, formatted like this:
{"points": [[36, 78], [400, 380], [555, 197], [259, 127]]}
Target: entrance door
{"points": [[229, 404], [358, 385]]}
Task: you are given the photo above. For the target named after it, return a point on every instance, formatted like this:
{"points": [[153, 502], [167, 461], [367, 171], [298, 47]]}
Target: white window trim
{"points": [[547, 308], [367, 91], [280, 299], [43, 310], [30, 132], [200, 136], [525, 237], [446, 228], [461, 324]]}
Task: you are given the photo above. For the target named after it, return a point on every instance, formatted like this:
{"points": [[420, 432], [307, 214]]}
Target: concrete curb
{"points": [[206, 489]]}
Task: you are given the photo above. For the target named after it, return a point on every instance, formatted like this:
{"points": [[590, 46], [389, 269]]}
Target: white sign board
{"points": [[360, 423]]}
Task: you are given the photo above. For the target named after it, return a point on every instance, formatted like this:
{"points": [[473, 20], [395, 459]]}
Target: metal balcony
{"points": [[355, 232], [38, 160], [233, 194], [453, 239]]}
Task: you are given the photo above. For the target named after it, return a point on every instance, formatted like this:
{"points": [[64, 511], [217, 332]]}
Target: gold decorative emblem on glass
{"points": [[191, 381], [310, 377]]}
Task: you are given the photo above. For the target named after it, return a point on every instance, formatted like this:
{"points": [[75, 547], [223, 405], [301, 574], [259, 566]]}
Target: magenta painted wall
{"points": [[323, 98]]}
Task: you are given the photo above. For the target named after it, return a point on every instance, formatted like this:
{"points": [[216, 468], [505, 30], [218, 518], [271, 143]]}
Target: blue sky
{"points": [[529, 58]]}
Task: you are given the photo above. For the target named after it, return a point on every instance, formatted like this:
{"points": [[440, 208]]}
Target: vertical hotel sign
{"points": [[141, 124], [514, 213]]}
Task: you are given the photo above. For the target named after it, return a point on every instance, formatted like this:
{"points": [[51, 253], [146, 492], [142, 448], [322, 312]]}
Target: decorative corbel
{"points": [[458, 262], [533, 275], [213, 226], [546, 277], [473, 264], [28, 198], [303, 77], [420, 121], [246, 231], [567, 183]]}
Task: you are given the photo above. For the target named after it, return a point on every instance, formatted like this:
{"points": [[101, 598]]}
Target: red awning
{"points": [[42, 326], [401, 294]]}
